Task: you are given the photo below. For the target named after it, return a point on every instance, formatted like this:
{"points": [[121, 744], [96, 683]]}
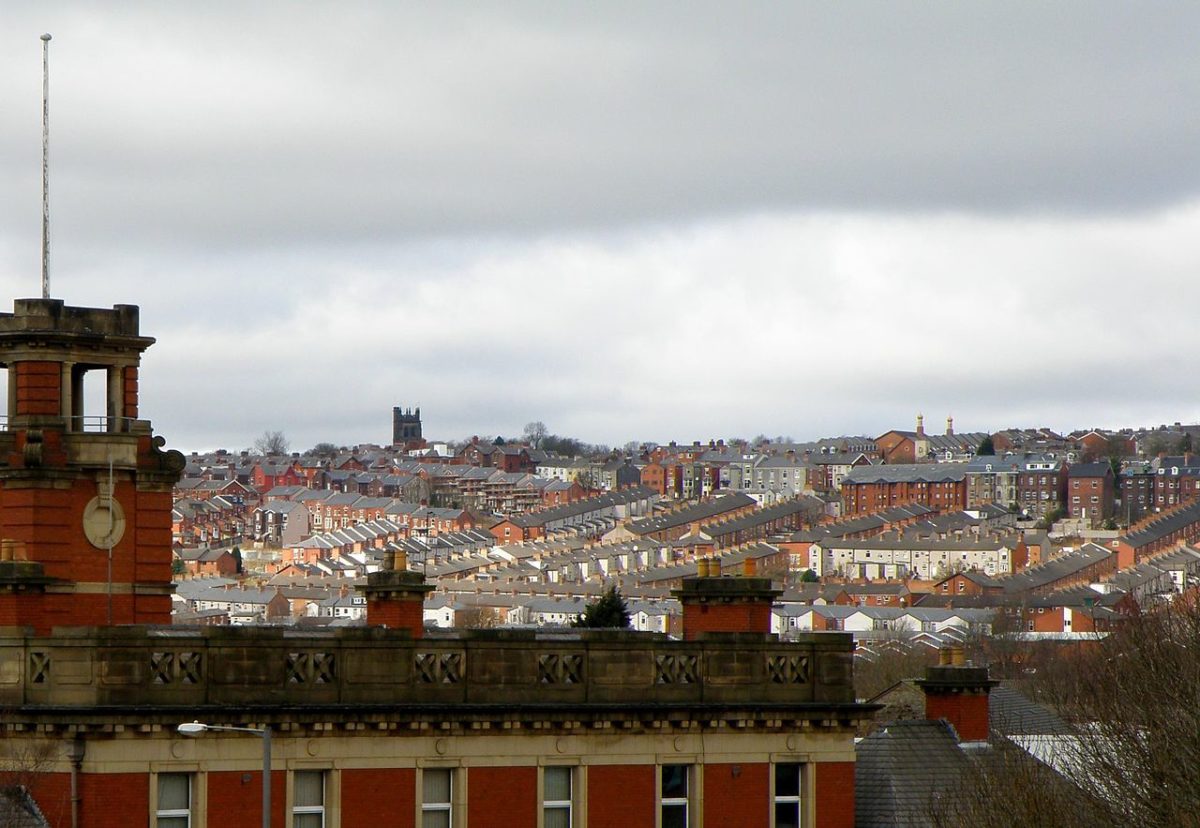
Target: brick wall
{"points": [[502, 797], [376, 798], [39, 388], [129, 379], [834, 794], [112, 800], [737, 796], [234, 800], [740, 617], [621, 796], [967, 711], [397, 614]]}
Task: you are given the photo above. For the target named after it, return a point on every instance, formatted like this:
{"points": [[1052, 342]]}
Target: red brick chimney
{"points": [[958, 693], [396, 597], [717, 604]]}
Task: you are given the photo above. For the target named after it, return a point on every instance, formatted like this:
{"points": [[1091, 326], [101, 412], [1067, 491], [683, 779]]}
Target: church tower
{"points": [[406, 428], [85, 497]]}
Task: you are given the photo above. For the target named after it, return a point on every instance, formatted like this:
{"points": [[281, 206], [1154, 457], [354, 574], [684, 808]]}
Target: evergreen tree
{"points": [[986, 447], [609, 610]]}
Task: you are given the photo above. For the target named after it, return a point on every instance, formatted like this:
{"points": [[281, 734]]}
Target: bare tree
{"points": [[1132, 706], [478, 618], [320, 449], [1006, 786], [26, 767], [892, 658], [271, 443], [535, 433]]}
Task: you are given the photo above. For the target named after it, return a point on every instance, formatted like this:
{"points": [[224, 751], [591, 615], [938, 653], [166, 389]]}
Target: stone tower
{"points": [[85, 497], [406, 428]]}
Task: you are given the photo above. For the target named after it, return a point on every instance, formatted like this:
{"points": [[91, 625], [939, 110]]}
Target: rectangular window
{"points": [[787, 795], [673, 797], [556, 797], [308, 799], [174, 801], [437, 786]]}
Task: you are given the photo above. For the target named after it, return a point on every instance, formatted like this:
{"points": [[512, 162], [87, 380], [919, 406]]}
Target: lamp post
{"points": [[196, 728]]}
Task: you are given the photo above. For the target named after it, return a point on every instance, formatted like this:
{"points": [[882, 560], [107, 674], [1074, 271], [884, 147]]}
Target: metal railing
{"points": [[87, 424]]}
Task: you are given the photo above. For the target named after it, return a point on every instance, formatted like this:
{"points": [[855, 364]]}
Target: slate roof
{"points": [[1013, 714], [698, 512], [582, 507], [901, 769], [19, 810], [908, 473], [809, 506], [1163, 526], [1089, 470]]}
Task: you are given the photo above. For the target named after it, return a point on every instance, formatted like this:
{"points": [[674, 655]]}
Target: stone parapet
{"points": [[145, 668]]}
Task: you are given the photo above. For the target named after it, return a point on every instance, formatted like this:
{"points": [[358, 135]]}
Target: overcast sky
{"points": [[632, 220]]}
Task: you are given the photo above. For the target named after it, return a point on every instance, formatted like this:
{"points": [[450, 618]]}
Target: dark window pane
{"points": [[674, 781], [674, 816], [557, 818], [787, 815], [787, 780]]}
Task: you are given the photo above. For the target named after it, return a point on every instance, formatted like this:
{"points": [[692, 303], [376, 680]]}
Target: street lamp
{"points": [[196, 728]]}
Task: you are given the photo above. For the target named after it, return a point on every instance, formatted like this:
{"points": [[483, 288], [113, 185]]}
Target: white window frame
{"points": [[176, 813], [560, 804], [798, 800], [675, 801], [306, 810], [437, 807]]}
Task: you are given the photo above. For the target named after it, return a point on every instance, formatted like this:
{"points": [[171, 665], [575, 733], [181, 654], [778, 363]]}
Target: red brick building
{"points": [[868, 489], [1041, 485], [1091, 492], [904, 446], [1176, 481]]}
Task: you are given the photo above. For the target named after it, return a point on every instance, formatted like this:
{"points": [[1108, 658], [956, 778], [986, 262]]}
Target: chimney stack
{"points": [[725, 605], [396, 597], [958, 692]]}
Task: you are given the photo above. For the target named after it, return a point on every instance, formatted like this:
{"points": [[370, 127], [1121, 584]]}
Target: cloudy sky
{"points": [[628, 220]]}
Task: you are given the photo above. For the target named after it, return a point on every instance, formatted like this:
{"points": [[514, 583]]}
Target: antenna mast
{"points": [[46, 166]]}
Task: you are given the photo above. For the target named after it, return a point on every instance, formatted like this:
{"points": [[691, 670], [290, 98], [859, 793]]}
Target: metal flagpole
{"points": [[46, 166]]}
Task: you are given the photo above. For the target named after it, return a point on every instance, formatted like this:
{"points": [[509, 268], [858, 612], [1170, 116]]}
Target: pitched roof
{"points": [[901, 769], [908, 473], [19, 810]]}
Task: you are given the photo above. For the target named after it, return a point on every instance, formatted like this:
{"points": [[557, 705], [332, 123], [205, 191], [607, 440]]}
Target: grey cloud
{"points": [[292, 123], [629, 220]]}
